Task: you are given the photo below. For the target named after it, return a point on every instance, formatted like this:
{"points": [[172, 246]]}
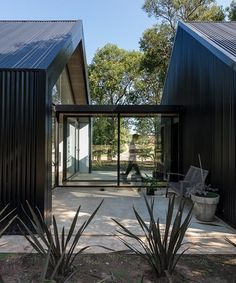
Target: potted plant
{"points": [[157, 173], [151, 185], [205, 199]]}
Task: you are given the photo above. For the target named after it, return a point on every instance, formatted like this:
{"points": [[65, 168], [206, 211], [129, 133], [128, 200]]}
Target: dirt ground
{"points": [[121, 268]]}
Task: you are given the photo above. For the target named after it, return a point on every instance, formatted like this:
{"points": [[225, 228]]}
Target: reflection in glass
{"points": [[106, 150], [147, 148]]}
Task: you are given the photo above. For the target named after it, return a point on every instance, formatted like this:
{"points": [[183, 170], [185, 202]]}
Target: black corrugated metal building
{"points": [[202, 78], [33, 55]]}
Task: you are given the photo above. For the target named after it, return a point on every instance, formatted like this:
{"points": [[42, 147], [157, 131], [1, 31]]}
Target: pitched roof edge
{"points": [[85, 67], [219, 52], [77, 36], [80, 38], [39, 21]]}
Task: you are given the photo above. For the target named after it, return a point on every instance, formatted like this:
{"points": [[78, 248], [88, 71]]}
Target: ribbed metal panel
{"points": [[222, 34], [22, 139], [17, 120], [206, 86], [32, 56], [35, 44]]}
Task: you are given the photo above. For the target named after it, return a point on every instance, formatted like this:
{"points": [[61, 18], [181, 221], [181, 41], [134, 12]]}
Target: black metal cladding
{"points": [[205, 85], [32, 56], [22, 131]]}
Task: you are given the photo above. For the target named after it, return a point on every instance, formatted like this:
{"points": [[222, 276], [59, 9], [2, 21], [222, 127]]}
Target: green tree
{"points": [[156, 45], [113, 74], [105, 137], [231, 11], [157, 41], [115, 78], [171, 11]]}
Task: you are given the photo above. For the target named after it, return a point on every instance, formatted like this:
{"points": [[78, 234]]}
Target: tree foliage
{"points": [[232, 11], [113, 75], [171, 11], [105, 137], [157, 41], [115, 78], [156, 44]]}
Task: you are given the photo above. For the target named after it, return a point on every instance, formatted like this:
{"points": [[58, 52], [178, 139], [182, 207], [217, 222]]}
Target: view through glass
{"points": [[107, 150]]}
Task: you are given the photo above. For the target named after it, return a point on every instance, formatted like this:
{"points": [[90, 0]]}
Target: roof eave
{"points": [[219, 52], [58, 64]]}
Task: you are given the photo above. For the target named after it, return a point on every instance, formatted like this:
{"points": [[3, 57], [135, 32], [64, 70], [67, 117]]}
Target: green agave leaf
{"points": [[230, 242], [159, 251], [45, 267], [4, 209], [182, 231], [8, 215], [72, 227], [132, 235], [32, 239], [55, 247], [55, 270], [81, 230], [8, 224], [36, 221], [175, 229], [147, 232], [169, 216], [56, 235], [63, 239]]}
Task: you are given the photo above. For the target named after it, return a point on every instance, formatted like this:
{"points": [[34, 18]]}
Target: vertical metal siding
{"points": [[22, 140], [206, 87]]}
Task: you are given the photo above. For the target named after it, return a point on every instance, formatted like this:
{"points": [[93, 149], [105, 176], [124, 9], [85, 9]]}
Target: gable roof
{"points": [[35, 44], [218, 37]]}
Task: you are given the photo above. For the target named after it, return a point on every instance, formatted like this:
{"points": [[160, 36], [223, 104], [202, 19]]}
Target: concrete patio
{"points": [[207, 238]]}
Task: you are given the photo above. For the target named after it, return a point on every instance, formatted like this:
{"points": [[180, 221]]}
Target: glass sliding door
{"points": [[90, 150], [104, 149], [71, 164], [53, 141], [116, 149]]}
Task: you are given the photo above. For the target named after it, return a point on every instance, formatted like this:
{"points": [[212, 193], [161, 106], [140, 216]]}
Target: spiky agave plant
{"points": [[230, 242], [6, 219], [160, 249], [57, 249]]}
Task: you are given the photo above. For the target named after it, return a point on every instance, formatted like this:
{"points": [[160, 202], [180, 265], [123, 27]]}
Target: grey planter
{"points": [[205, 207]]}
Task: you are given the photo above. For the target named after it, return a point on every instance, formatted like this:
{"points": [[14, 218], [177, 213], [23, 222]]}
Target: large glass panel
{"points": [[91, 150], [72, 147], [104, 149], [61, 92], [107, 150], [140, 155], [53, 150]]}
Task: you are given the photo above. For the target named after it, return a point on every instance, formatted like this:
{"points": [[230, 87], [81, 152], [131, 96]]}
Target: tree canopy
{"points": [[232, 11], [171, 11], [157, 41], [118, 76], [114, 75]]}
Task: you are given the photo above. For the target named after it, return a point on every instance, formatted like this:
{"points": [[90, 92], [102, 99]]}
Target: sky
{"points": [[120, 22]]}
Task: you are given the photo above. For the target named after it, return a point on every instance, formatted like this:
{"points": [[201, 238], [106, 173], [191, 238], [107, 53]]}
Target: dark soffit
{"points": [[118, 109]]}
